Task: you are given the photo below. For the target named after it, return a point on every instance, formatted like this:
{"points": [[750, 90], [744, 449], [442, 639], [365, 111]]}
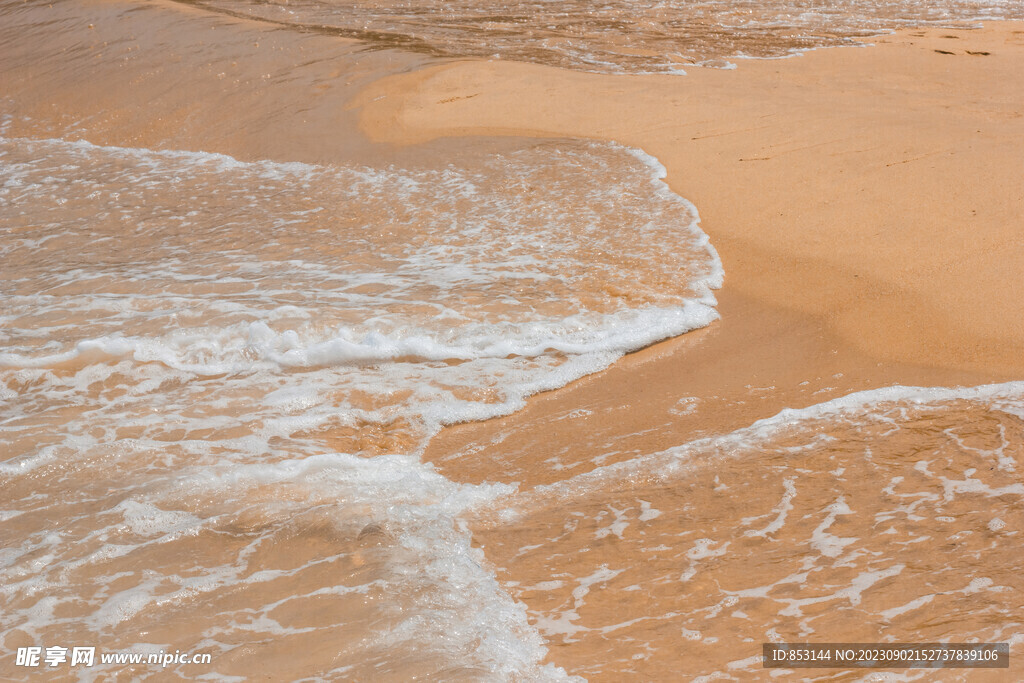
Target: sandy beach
{"points": [[871, 188], [863, 202], [867, 205]]}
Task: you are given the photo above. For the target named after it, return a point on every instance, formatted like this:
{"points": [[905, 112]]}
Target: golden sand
{"points": [[876, 189], [865, 202], [867, 206]]}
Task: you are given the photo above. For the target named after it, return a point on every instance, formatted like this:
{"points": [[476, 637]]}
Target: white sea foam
{"points": [[876, 406], [236, 323], [237, 346], [818, 534], [781, 510]]}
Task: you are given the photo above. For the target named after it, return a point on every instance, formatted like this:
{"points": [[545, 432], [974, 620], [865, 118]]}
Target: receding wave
{"points": [[209, 266], [203, 359]]}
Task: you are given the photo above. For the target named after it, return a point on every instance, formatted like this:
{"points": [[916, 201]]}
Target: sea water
{"points": [[217, 377], [646, 36]]}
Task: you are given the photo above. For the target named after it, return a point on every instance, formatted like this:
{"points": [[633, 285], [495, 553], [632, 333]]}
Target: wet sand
{"points": [[865, 202]]}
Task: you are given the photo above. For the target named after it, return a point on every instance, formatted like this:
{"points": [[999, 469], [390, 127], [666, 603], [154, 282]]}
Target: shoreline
{"points": [[839, 288], [862, 202], [710, 381], [693, 125]]}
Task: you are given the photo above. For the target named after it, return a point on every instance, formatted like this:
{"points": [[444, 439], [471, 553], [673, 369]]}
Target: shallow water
{"points": [[890, 515], [217, 377], [652, 36]]}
